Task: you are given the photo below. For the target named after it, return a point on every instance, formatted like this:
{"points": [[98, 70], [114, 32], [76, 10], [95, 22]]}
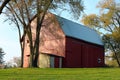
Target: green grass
{"points": [[60, 74]]}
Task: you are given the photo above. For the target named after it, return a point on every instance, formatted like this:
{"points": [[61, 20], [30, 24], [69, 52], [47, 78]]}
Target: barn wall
{"points": [[26, 59], [82, 54], [44, 60], [52, 39], [73, 54], [55, 61], [92, 56]]}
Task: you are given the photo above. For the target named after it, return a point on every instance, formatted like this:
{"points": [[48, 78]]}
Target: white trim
{"points": [[52, 64]]}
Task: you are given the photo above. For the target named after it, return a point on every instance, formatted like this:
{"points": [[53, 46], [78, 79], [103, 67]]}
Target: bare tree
{"points": [[4, 3], [23, 12]]}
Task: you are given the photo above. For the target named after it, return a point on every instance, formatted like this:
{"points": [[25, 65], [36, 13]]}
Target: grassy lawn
{"points": [[60, 74]]}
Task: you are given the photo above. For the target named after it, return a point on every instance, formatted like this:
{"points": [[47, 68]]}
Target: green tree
{"points": [[23, 12], [1, 56], [108, 24]]}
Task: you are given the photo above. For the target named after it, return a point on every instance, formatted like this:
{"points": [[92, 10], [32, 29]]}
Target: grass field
{"points": [[60, 74]]}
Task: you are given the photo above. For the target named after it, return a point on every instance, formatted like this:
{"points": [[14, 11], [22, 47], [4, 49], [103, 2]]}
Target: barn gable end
{"points": [[52, 37]]}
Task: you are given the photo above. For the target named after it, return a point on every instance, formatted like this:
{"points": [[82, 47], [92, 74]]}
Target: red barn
{"points": [[66, 44]]}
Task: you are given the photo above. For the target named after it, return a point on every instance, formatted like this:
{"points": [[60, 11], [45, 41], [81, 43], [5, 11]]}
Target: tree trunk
{"points": [[40, 18], [115, 54], [117, 59], [31, 63], [37, 43], [22, 51], [29, 34], [36, 60], [21, 45]]}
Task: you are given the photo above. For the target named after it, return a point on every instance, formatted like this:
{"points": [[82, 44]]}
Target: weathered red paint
{"points": [[82, 54], [26, 58], [75, 52], [91, 56], [57, 61], [52, 38]]}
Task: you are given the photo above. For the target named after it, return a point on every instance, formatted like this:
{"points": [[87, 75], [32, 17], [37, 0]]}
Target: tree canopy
{"points": [[108, 24]]}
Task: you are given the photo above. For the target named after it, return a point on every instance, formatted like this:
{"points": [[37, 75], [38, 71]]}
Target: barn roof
{"points": [[79, 31]]}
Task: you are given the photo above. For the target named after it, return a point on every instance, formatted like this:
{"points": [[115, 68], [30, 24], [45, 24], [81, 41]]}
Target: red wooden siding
{"points": [[57, 62], [73, 54], [92, 56], [82, 54]]}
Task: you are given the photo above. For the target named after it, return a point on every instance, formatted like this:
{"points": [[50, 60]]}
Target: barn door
{"points": [[92, 56], [73, 55], [55, 61], [89, 57]]}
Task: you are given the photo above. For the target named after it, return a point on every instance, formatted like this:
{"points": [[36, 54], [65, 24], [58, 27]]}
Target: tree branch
{"points": [[3, 5]]}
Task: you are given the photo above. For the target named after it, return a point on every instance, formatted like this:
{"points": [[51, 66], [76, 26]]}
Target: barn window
{"points": [[28, 55], [27, 41], [99, 60]]}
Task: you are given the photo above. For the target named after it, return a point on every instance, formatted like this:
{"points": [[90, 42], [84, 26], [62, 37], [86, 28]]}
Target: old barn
{"points": [[66, 44]]}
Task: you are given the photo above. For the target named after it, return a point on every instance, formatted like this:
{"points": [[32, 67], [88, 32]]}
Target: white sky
{"points": [[9, 36]]}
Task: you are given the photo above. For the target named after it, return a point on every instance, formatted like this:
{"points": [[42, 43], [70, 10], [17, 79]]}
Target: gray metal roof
{"points": [[79, 31]]}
